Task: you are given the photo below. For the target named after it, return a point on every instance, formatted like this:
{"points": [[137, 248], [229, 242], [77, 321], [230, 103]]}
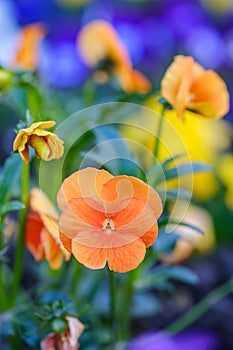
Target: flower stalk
{"points": [[19, 255], [159, 132], [2, 287], [113, 320]]}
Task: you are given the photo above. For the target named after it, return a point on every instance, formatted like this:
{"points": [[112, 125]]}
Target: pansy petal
{"points": [[55, 145], [34, 227], [173, 77], [53, 253], [66, 241], [150, 236], [105, 43], [85, 210], [210, 88], [39, 125], [25, 154], [98, 238], [123, 187], [40, 146], [87, 182], [93, 258], [137, 217], [41, 204], [126, 258]]}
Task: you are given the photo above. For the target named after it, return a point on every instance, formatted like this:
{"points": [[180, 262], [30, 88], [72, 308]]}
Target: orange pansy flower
{"points": [[108, 219], [67, 340], [46, 144], [187, 85], [100, 46], [42, 234], [26, 56]]}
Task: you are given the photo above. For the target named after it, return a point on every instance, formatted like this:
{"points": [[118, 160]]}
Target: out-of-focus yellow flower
{"points": [[73, 3], [42, 234], [67, 340], [101, 47], [191, 240], [218, 5], [187, 85], [46, 144], [225, 171], [200, 138], [27, 51], [6, 78]]}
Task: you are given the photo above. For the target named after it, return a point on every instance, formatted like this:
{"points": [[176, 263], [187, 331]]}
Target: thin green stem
{"points": [[3, 301], [112, 292], [203, 306], [19, 255], [89, 92], [126, 306], [159, 132]]}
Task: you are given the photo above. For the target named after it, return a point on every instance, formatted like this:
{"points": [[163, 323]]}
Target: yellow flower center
{"points": [[108, 226]]}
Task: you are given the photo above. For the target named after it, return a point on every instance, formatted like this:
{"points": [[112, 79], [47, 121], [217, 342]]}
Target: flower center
{"points": [[108, 226]]}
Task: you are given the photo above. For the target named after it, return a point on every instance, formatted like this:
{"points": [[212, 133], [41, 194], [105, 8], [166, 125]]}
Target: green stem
{"points": [[159, 132], [126, 306], [199, 309], [3, 301], [19, 255], [112, 292], [89, 92]]}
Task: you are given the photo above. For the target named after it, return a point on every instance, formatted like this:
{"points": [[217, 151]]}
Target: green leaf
{"points": [[173, 194], [9, 176], [156, 173], [169, 221], [165, 273], [185, 169], [11, 206]]}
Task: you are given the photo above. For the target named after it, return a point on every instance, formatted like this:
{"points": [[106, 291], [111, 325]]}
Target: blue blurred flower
{"points": [[60, 65], [188, 340], [206, 45]]}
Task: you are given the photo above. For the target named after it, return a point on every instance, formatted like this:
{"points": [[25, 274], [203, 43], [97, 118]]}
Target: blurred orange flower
{"points": [[42, 234], [67, 340], [107, 218], [27, 51], [100, 46], [187, 85], [46, 144]]}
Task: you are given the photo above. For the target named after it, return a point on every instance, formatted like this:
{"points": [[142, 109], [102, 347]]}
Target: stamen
{"points": [[108, 226]]}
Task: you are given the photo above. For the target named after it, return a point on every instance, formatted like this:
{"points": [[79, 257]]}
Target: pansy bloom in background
{"points": [[46, 144], [42, 234], [187, 85], [27, 50], [101, 48], [108, 219], [68, 340], [189, 240], [192, 340]]}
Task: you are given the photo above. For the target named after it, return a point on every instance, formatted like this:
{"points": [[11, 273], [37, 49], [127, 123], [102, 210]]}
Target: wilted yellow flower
{"points": [[46, 144], [187, 85]]}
